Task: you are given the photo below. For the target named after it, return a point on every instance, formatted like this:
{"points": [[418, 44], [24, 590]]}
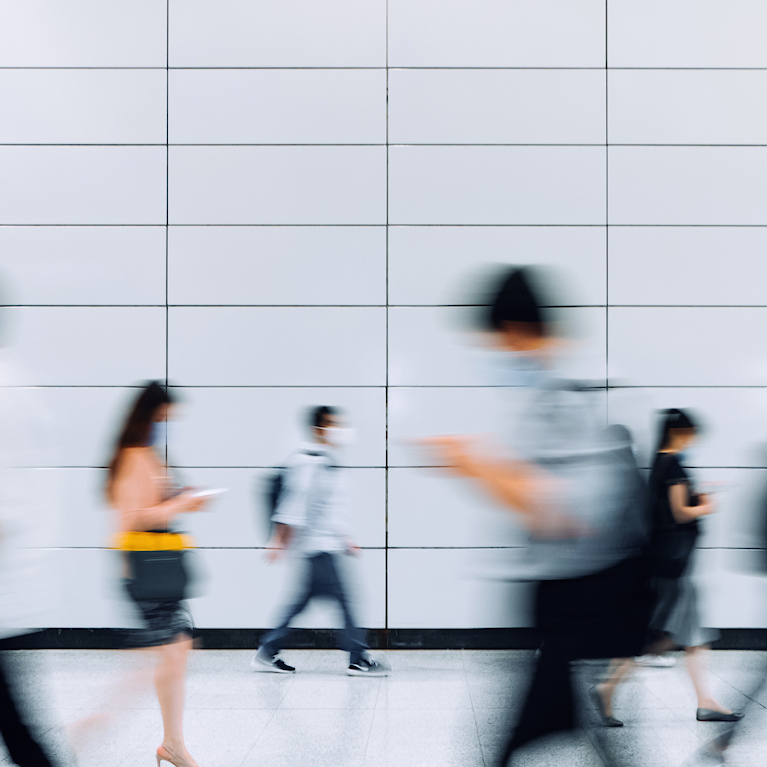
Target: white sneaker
{"points": [[655, 661], [262, 662], [367, 667]]}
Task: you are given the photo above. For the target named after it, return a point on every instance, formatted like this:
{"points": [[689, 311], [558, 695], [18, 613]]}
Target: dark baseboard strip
{"points": [[325, 639]]}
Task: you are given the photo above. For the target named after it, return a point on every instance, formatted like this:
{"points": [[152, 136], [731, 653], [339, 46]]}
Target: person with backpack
{"points": [[308, 505], [574, 487]]}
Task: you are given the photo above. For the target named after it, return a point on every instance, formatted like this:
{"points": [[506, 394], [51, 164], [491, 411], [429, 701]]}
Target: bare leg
{"points": [[619, 669], [696, 667], [169, 681]]}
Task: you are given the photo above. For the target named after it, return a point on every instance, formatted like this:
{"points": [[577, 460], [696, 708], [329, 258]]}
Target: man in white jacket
{"points": [[310, 519]]}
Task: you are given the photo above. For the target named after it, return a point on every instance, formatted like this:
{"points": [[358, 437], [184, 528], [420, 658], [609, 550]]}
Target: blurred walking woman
{"points": [[676, 509], [143, 494]]}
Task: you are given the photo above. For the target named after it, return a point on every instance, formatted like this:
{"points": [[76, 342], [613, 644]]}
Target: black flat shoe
{"points": [[607, 721], [707, 715]]}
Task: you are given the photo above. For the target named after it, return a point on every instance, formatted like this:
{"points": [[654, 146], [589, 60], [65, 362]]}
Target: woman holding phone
{"points": [[146, 502]]}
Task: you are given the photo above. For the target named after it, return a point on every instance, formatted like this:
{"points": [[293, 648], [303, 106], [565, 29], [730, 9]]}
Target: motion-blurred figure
{"points": [[143, 493], [581, 501], [27, 525], [309, 518]]}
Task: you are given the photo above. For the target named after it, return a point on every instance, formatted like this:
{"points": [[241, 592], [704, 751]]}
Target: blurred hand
{"points": [[454, 452], [706, 504], [352, 549], [190, 503]]}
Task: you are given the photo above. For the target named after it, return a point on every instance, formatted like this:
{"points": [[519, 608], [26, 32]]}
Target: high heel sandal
{"points": [[163, 756]]}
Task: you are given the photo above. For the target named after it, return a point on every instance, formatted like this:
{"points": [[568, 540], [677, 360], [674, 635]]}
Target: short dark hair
{"points": [[674, 419], [513, 298], [318, 416]]}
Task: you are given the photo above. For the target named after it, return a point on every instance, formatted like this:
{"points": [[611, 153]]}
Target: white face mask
{"points": [[162, 434], [339, 436], [516, 369]]}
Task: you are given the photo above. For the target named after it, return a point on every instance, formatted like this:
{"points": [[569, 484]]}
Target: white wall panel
{"points": [[687, 107], [496, 185], [496, 106], [86, 520], [276, 346], [442, 264], [686, 33], [83, 264], [300, 265], [420, 412], [92, 346], [277, 185], [432, 588], [239, 518], [242, 590], [734, 420], [83, 106], [688, 185], [263, 426], [291, 33], [430, 508], [82, 185], [82, 33], [427, 347], [277, 106], [693, 266], [695, 346], [494, 33]]}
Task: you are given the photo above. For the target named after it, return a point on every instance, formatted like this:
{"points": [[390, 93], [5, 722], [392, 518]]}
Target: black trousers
{"points": [[602, 615], [23, 748]]}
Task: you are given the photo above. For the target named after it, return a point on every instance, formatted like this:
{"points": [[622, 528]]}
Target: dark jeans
{"points": [[321, 580], [22, 747]]}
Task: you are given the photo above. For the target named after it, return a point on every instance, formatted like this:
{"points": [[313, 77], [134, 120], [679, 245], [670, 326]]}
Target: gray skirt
{"points": [[676, 612], [163, 622]]}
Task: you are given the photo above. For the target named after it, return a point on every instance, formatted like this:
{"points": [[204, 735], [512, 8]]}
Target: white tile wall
{"points": [[82, 185], [83, 33], [277, 106], [83, 106], [686, 33], [291, 33], [277, 185], [494, 33], [84, 265], [496, 185], [687, 185], [319, 251], [288, 265], [496, 106], [277, 346]]}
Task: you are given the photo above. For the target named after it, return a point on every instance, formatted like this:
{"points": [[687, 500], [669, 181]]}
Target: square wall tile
{"points": [[433, 265], [693, 266], [436, 346], [687, 106], [686, 33], [239, 518], [86, 520], [453, 588], [277, 106], [83, 33], [277, 346], [83, 265], [83, 106], [225, 603], [91, 346], [688, 185], [291, 33], [85, 422], [692, 346], [432, 508], [496, 185], [263, 426], [493, 33], [82, 185], [289, 265], [496, 106], [277, 185], [420, 412], [734, 421]]}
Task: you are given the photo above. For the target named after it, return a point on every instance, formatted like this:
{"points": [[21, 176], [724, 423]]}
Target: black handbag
{"points": [[160, 575]]}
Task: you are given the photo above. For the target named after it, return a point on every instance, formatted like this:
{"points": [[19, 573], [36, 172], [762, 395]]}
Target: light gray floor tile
{"points": [[320, 691], [426, 689]]}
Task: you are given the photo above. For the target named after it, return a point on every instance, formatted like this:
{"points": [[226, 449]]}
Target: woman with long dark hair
{"points": [[142, 492]]}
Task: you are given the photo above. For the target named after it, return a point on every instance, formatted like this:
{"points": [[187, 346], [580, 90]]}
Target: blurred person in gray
{"points": [[310, 519], [28, 523], [574, 485]]}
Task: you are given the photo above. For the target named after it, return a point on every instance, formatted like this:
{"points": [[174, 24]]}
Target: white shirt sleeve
{"points": [[293, 507]]}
